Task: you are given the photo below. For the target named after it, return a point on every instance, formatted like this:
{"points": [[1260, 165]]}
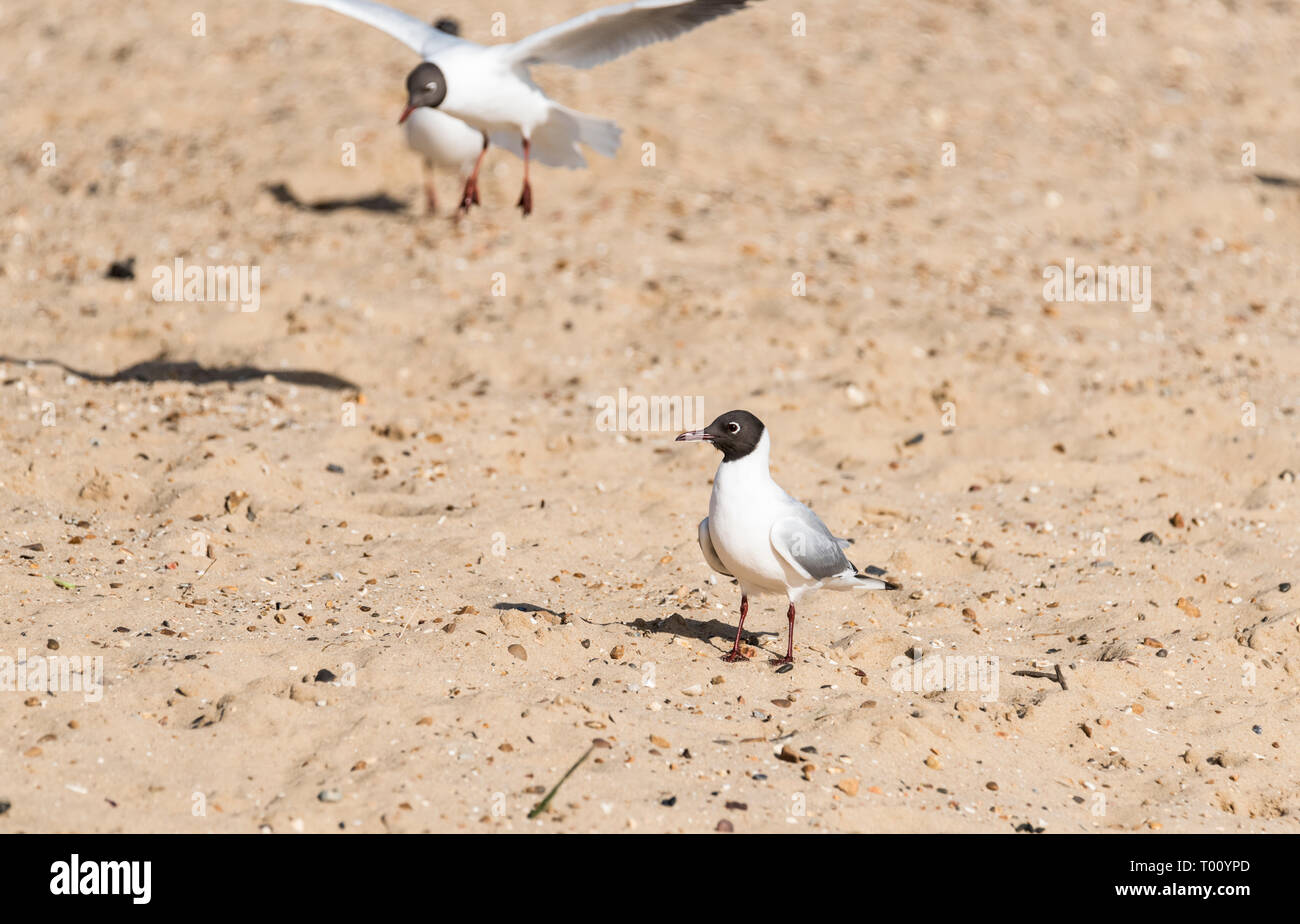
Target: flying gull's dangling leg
{"points": [[470, 196], [526, 195]]}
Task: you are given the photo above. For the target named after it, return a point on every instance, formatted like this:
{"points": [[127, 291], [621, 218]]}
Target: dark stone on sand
{"points": [[121, 269]]}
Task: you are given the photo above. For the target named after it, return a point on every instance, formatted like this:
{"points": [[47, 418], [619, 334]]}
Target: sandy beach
{"points": [[359, 552]]}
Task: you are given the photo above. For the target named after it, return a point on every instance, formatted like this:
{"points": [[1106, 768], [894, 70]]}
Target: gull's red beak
{"points": [[406, 113], [693, 435]]}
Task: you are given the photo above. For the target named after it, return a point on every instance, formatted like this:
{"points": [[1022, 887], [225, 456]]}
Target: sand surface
{"points": [[393, 469]]}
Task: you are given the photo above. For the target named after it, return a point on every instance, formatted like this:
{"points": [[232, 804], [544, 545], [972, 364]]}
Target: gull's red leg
{"points": [[470, 196], [734, 654], [430, 194], [789, 645], [526, 195]]}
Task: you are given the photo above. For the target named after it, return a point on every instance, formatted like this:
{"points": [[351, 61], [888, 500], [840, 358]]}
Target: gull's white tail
{"points": [[555, 141]]}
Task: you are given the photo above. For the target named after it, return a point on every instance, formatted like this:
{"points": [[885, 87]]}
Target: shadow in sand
{"points": [[381, 202], [524, 608], [703, 629], [163, 370], [1272, 180]]}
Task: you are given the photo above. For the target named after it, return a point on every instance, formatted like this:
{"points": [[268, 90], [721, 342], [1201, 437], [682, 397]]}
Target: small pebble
{"points": [[330, 795], [1150, 537], [725, 827], [325, 676], [1285, 586]]}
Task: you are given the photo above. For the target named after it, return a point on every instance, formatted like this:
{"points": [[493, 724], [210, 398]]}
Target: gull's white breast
{"points": [[742, 508], [446, 142]]}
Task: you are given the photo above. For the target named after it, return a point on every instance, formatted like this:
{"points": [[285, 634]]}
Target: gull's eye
{"points": [[733, 427]]}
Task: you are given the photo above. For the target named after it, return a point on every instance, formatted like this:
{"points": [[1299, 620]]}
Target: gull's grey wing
{"points": [[602, 35], [843, 543], [710, 555], [808, 546], [411, 32]]}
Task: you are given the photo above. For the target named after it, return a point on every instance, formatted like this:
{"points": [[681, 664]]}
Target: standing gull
{"points": [[489, 86], [760, 535]]}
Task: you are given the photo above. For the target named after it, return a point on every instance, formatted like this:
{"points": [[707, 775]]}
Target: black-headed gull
{"points": [[441, 141], [760, 535], [488, 86]]}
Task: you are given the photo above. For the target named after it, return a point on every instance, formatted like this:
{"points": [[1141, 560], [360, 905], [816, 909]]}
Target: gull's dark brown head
{"points": [[425, 86], [735, 434]]}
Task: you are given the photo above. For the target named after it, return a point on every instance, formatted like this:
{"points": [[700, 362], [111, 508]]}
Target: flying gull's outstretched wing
{"points": [[415, 34], [602, 35]]}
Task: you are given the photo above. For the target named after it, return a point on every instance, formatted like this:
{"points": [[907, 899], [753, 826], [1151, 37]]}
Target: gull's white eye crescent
{"points": [[433, 85], [733, 427]]}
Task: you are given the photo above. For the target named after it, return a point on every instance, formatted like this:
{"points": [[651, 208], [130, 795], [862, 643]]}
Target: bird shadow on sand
{"points": [[380, 202], [706, 630], [524, 608], [161, 369], [1277, 180]]}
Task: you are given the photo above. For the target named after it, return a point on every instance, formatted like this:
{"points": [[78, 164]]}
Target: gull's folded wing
{"points": [[711, 555], [411, 32], [809, 548], [602, 35]]}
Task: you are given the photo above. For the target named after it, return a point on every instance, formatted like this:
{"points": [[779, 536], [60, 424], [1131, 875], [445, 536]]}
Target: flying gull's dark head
{"points": [[735, 434], [425, 86]]}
